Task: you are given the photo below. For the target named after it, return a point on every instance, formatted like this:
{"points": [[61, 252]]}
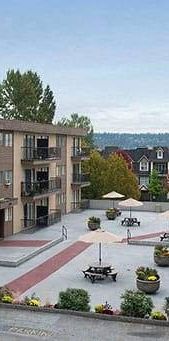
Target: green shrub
{"points": [[146, 274], [74, 299], [136, 304], [158, 315], [94, 220]]}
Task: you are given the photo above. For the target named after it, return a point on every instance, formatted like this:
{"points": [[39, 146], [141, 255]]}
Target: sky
{"points": [[107, 59]]}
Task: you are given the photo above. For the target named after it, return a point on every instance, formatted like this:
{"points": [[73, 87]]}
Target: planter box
{"points": [[111, 215], [149, 287], [93, 226], [161, 260]]}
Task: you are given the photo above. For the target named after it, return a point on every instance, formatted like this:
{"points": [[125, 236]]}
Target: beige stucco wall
{"points": [[18, 177], [69, 171]]}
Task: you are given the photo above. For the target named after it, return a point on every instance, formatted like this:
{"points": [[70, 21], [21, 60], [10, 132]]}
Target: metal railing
{"points": [[80, 152], [80, 178], [43, 221], [30, 189], [41, 153], [83, 204]]}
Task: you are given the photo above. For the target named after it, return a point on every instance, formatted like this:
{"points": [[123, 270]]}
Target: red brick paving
{"points": [[38, 274], [144, 236], [23, 243]]}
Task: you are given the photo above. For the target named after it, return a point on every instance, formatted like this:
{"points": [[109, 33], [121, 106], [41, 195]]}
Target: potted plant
{"points": [[166, 306], [147, 280], [111, 213], [161, 255], [136, 304], [93, 223]]}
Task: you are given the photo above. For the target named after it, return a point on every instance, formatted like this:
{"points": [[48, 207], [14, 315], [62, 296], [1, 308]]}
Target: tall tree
{"points": [[108, 175], [95, 166], [155, 187], [120, 178], [80, 121], [23, 97]]}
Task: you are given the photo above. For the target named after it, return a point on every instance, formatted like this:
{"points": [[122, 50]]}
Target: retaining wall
{"points": [[149, 206]]}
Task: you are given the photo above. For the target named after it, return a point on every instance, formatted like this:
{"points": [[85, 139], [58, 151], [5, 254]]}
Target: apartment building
{"points": [[40, 174], [142, 161]]}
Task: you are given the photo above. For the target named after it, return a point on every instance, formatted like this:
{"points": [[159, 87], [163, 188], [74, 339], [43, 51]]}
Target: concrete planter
{"points": [[149, 287], [93, 226], [161, 260], [111, 215]]}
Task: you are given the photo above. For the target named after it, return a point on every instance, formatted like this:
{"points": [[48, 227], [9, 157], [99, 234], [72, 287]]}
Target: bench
{"points": [[164, 236], [93, 276], [113, 275]]}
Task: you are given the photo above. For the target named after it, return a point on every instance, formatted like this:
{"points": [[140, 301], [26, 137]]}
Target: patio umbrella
{"points": [[100, 236], [113, 195], [130, 203]]}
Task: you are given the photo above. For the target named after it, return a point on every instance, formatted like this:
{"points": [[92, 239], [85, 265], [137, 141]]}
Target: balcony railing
{"points": [[83, 205], [31, 189], [41, 153], [43, 221], [80, 178], [80, 152]]}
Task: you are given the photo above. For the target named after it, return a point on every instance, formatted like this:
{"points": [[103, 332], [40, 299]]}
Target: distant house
{"points": [[143, 160]]}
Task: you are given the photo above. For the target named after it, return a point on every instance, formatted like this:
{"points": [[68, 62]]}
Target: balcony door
{"points": [[42, 147], [2, 219]]}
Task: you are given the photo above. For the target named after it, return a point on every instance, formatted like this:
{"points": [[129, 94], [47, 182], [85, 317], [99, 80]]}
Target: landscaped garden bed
{"points": [[135, 307]]}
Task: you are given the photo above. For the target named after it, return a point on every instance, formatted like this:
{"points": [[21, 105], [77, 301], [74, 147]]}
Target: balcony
{"points": [[40, 154], [8, 202], [39, 188], [80, 179], [82, 153], [43, 221]]}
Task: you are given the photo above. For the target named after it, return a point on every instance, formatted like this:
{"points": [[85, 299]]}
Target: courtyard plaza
{"points": [[36, 276]]}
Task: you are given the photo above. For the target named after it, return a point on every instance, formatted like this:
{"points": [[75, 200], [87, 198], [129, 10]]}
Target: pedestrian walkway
{"points": [[39, 273], [23, 243]]}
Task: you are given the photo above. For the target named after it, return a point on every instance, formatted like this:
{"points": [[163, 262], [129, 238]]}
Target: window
{"points": [[60, 141], [8, 214], [60, 170], [8, 176], [161, 168], [1, 139], [144, 166], [8, 140], [159, 154], [1, 177], [144, 180], [58, 199]]}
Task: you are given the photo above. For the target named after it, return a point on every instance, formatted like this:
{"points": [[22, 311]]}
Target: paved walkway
{"points": [[25, 325], [23, 243], [39, 273]]}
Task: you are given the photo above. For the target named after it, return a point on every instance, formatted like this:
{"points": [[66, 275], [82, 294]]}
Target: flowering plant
{"points": [[33, 301], [158, 315], [147, 274], [7, 299]]}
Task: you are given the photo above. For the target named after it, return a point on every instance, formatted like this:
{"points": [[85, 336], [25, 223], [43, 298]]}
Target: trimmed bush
{"points": [[74, 299], [136, 304]]}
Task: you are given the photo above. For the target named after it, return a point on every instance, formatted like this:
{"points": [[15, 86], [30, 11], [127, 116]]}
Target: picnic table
{"points": [[130, 221], [164, 236], [96, 271]]}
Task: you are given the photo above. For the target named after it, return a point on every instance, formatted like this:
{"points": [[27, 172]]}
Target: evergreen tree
{"points": [[22, 97], [155, 187]]}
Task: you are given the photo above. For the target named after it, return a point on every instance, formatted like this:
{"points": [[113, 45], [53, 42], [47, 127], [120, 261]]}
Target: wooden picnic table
{"points": [[100, 271], [130, 221]]}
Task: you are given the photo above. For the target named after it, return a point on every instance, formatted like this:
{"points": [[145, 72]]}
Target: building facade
{"points": [[40, 174], [142, 161]]}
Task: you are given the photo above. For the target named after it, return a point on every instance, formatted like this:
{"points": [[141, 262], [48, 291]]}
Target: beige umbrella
{"points": [[113, 195], [100, 236], [130, 203]]}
